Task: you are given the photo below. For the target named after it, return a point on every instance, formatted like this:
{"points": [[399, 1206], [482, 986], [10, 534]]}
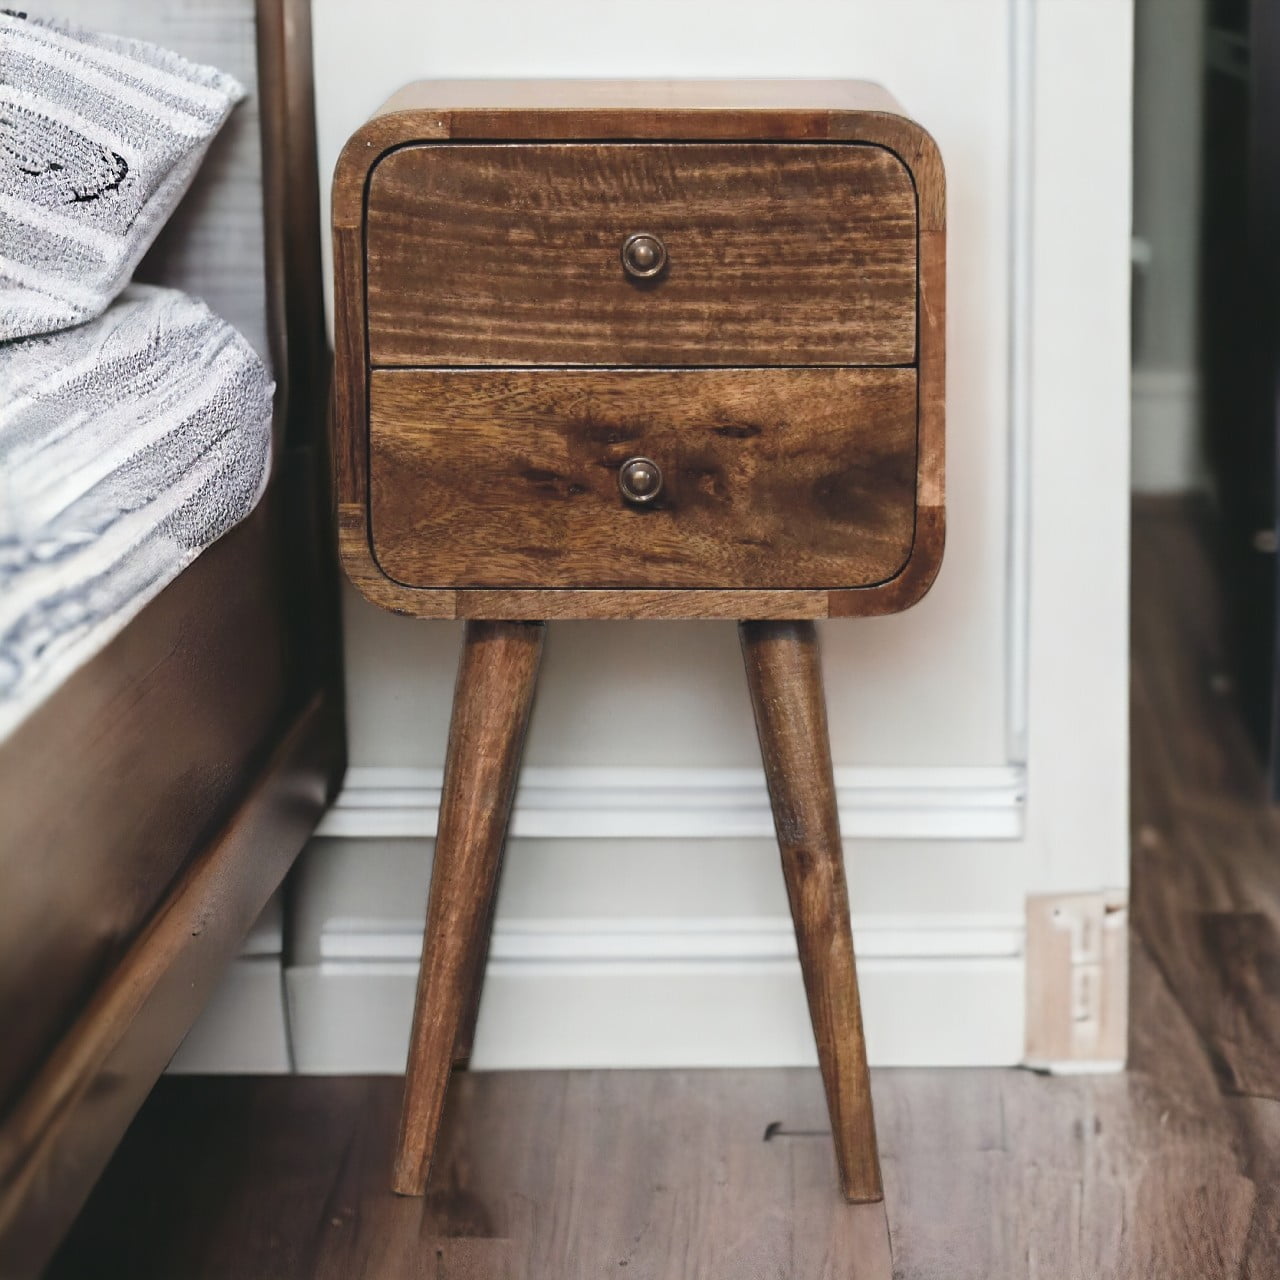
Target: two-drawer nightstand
{"points": [[646, 349]]}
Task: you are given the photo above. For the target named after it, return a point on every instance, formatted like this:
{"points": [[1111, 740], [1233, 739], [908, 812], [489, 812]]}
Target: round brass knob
{"points": [[640, 480], [643, 255]]}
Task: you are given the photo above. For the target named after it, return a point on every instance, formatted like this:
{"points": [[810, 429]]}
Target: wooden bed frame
{"points": [[150, 808]]}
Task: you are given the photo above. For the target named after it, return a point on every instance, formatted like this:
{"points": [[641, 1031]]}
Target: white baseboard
{"points": [[670, 992], [977, 803], [1077, 1067], [1167, 454], [243, 1030]]}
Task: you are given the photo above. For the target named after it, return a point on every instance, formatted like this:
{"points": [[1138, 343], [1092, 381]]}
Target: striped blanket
{"points": [[127, 446], [100, 136]]}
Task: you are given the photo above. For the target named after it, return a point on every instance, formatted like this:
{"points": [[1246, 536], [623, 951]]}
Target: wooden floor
{"points": [[1168, 1172]]}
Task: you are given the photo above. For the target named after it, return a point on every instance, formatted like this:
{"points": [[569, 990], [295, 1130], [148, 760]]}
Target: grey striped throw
{"points": [[127, 446], [100, 136]]}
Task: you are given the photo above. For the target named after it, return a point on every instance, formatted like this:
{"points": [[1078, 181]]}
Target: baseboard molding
{"points": [[937, 991], [243, 1030], [976, 803], [603, 944]]}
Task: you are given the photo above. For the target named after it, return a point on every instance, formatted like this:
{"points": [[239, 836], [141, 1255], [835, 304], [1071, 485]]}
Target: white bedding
{"points": [[127, 446]]}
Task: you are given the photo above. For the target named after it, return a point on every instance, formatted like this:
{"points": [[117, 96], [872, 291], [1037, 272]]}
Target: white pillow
{"points": [[100, 136]]}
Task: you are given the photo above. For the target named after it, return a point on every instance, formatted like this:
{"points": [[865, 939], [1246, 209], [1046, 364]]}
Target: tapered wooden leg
{"points": [[491, 704], [478, 962], [785, 678]]}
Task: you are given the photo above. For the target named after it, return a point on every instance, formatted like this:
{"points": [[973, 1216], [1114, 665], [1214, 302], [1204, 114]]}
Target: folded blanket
{"points": [[127, 446]]}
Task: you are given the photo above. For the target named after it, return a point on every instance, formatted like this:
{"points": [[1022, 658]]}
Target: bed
{"points": [[152, 803]]}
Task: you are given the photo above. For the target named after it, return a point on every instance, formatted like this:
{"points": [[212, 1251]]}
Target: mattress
{"points": [[128, 446]]}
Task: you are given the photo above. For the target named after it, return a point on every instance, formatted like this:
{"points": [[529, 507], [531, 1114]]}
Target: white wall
{"points": [[1078, 441], [899, 695], [980, 737]]}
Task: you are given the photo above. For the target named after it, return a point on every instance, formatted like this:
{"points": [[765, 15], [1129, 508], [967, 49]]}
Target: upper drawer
{"points": [[777, 254]]}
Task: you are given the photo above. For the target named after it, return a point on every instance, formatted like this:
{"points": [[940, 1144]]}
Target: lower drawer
{"points": [[771, 478]]}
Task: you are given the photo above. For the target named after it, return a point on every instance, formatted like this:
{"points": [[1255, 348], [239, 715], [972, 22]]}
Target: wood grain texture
{"points": [[674, 110], [81, 878], [917, 576], [372, 583], [349, 448], [1165, 1171], [492, 701], [478, 962], [290, 187], [668, 605], [1206, 861], [776, 254], [60, 1134], [556, 1175], [782, 478], [562, 1175], [182, 768], [301, 360], [785, 679], [748, 111]]}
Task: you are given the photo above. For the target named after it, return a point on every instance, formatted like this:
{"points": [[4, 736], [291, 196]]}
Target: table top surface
{"points": [[643, 95]]}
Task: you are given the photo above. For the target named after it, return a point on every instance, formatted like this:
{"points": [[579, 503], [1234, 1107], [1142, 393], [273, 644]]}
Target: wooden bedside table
{"points": [[639, 349]]}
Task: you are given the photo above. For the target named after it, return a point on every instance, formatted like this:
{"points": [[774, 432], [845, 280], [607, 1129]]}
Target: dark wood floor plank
{"points": [[989, 1174], [1206, 875], [1165, 1172], [1258, 1119]]}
